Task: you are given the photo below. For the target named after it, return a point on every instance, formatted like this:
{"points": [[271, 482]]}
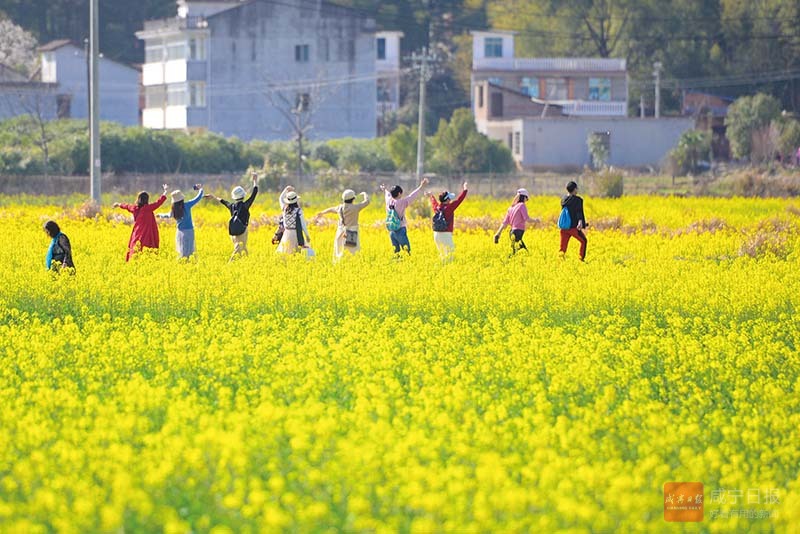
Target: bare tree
{"points": [[36, 102], [298, 103]]}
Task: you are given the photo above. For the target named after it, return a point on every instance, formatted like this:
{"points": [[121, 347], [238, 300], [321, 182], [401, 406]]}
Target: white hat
{"points": [[237, 193], [523, 192], [176, 195], [291, 197], [348, 194]]}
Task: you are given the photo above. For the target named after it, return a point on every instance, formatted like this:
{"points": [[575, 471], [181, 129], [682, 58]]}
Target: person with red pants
{"points": [[145, 229], [574, 205]]}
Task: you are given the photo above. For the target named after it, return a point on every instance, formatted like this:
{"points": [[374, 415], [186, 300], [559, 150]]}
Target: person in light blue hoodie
{"points": [[182, 212]]}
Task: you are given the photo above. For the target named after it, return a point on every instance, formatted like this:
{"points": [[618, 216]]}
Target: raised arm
{"points": [[126, 207], [326, 211], [365, 203], [249, 201], [195, 200], [457, 202], [415, 193], [282, 196]]}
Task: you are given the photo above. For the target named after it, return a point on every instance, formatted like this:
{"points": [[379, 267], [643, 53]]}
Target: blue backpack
{"points": [[393, 221], [564, 220]]}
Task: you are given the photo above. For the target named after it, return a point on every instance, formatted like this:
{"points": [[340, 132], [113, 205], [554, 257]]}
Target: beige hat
{"points": [[176, 195], [523, 192], [292, 197], [348, 194]]}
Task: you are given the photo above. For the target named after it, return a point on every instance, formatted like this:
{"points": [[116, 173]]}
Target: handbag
{"points": [[278, 235]]}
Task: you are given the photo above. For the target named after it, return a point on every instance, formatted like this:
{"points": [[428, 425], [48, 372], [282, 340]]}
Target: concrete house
{"points": [[545, 109], [60, 89], [257, 69], [65, 64]]}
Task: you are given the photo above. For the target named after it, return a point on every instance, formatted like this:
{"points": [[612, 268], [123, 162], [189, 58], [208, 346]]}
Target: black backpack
{"points": [[235, 225], [439, 221]]}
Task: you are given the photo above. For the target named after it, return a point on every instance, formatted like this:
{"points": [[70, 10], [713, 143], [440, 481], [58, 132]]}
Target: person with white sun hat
{"points": [[295, 236], [347, 236], [240, 216]]}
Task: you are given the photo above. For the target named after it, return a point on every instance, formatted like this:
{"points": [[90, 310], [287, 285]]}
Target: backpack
{"points": [[439, 221], [235, 224], [393, 221], [564, 220]]}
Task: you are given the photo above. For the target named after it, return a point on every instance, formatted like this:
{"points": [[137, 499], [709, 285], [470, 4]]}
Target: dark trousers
{"points": [[577, 234], [516, 241]]}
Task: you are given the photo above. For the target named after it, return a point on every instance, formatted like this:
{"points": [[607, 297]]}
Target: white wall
{"points": [[119, 86], [478, 42], [562, 141]]}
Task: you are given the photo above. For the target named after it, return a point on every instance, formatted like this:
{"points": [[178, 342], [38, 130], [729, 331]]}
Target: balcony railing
{"points": [[176, 23], [559, 65], [583, 108]]}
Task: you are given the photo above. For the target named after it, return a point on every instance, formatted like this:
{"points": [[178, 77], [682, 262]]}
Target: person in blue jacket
{"points": [[182, 212]]}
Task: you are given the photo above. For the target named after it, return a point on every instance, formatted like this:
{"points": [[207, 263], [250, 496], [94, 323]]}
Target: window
{"points": [[351, 50], [600, 89], [496, 105], [381, 48], [556, 88], [510, 140], [480, 96], [384, 91], [302, 102], [63, 106], [49, 67], [154, 96], [176, 95], [176, 50], [197, 94], [154, 54], [325, 49], [493, 47], [253, 50], [301, 53], [197, 48], [530, 86], [517, 143]]}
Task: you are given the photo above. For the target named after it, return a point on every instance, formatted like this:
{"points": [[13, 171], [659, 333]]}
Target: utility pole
{"points": [[657, 73], [641, 105], [421, 63], [94, 104]]}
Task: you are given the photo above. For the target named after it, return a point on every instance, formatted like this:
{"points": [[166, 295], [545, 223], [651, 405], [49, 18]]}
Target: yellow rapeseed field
{"points": [[488, 394]]}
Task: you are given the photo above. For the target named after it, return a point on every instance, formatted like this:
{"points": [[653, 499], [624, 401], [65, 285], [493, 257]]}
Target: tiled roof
{"points": [[53, 45]]}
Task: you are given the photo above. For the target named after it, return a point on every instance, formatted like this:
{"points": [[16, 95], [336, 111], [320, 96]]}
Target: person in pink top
{"points": [[516, 217], [145, 229], [397, 202]]}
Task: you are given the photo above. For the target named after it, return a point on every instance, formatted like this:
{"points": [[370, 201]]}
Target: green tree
{"points": [[746, 116], [402, 147], [459, 148]]}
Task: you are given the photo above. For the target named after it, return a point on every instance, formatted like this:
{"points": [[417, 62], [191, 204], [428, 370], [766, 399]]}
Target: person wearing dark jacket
{"points": [[240, 216], [60, 252], [574, 205]]}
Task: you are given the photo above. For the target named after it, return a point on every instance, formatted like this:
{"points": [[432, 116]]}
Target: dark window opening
{"points": [[381, 48], [496, 105]]}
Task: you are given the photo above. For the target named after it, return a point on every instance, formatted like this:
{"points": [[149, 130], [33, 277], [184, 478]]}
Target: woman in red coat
{"points": [[145, 229]]}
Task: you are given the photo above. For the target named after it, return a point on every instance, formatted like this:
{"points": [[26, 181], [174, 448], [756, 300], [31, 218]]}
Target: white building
{"points": [[251, 69], [545, 109]]}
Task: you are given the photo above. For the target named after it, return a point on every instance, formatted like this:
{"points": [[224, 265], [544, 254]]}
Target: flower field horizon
{"points": [[487, 394]]}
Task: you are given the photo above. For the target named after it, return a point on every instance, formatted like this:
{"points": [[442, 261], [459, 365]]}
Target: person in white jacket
{"points": [[347, 235], [295, 235]]}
